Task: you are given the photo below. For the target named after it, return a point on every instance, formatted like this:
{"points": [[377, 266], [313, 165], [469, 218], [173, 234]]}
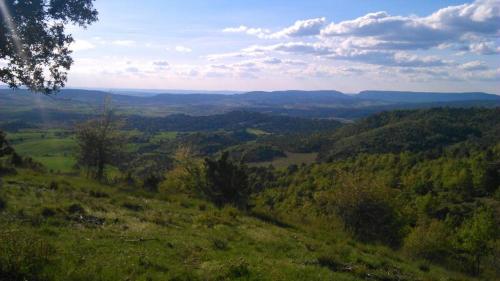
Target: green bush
{"points": [[16, 160], [369, 214], [186, 177], [476, 239], [53, 185], [151, 182], [429, 241], [47, 212], [331, 262]]}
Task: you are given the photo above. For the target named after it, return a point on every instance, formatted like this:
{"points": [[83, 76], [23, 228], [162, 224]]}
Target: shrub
{"points": [[238, 268], [234, 269], [53, 185], [48, 212], [76, 209], [219, 244], [429, 241], [369, 214], [187, 176], [98, 194], [16, 160], [476, 238], [202, 207], [151, 182], [424, 267], [330, 262]]}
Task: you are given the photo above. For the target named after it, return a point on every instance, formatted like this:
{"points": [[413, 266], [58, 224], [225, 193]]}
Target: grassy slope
{"points": [[177, 236]]}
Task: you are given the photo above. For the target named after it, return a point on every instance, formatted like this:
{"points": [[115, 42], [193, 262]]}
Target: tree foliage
{"points": [[187, 174], [367, 211], [34, 41], [5, 148], [430, 241], [476, 237], [226, 182]]}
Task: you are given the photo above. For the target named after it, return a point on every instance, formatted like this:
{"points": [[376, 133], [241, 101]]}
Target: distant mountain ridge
{"points": [[294, 96], [423, 97], [315, 104]]}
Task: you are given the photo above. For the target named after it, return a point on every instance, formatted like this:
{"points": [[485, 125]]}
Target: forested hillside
{"points": [[235, 120], [425, 182], [415, 131]]}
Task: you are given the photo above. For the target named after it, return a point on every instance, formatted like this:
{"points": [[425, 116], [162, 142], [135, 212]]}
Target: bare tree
{"points": [[100, 143]]}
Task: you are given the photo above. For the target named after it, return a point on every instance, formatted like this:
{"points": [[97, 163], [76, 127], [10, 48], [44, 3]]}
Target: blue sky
{"points": [[273, 45]]}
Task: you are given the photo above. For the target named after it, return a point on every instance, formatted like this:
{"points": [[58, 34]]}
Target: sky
{"points": [[343, 45]]}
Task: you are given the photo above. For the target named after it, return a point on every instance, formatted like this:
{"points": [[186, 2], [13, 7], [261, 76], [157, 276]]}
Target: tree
{"points": [[5, 148], [188, 174], [100, 143], [369, 213], [34, 43], [476, 237], [226, 182], [430, 241]]}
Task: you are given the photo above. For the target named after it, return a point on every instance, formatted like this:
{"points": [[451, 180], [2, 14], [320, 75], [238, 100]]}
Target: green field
{"points": [[55, 149], [162, 136], [257, 132]]}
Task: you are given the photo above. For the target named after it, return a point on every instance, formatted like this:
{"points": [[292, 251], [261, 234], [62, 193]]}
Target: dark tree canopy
{"points": [[4, 145], [227, 182], [34, 44]]}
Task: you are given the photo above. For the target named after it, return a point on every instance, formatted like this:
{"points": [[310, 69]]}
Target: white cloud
{"points": [[484, 48], [388, 58], [474, 65], [292, 47], [123, 43], [81, 45], [239, 29], [182, 49], [383, 49], [452, 24], [259, 32], [271, 60], [382, 57], [301, 28]]}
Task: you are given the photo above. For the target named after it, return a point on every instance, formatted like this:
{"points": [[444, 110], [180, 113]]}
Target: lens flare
{"points": [[9, 22]]}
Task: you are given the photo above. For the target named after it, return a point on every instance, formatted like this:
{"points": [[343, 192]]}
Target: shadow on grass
{"points": [[271, 220]]}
